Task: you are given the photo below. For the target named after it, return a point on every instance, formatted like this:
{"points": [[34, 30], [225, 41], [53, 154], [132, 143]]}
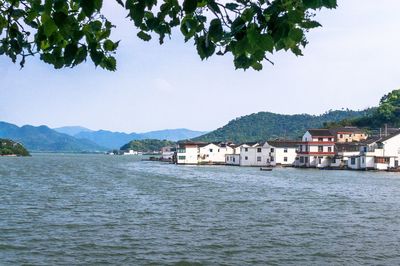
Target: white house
{"points": [[316, 148], [379, 154], [281, 152], [202, 153], [240, 154], [188, 152]]}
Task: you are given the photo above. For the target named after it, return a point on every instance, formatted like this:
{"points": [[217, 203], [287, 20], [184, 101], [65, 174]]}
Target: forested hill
{"points": [[9, 147], [266, 125], [146, 145], [386, 114]]}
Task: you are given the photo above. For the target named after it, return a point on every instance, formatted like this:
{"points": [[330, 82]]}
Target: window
{"points": [[246, 149], [258, 158], [181, 157], [285, 159], [353, 161], [211, 150], [320, 139], [365, 149], [301, 159], [258, 149], [330, 139], [320, 148], [233, 159], [341, 136], [319, 160], [363, 159], [181, 150], [381, 160], [285, 150], [306, 159], [272, 149], [272, 158], [218, 150], [246, 158], [329, 149]]}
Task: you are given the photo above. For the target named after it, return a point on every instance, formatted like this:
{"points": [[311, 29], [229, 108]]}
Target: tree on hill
{"points": [[264, 126], [388, 112], [9, 147], [64, 33], [147, 145]]}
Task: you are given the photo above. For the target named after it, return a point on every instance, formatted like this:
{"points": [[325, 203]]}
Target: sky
{"points": [[350, 62]]}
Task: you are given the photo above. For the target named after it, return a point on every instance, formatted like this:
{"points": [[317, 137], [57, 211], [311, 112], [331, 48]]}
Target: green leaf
{"points": [[49, 27], [205, 48], [121, 3], [109, 45], [231, 6], [215, 31], [144, 36], [189, 6], [266, 42], [296, 34], [96, 56]]}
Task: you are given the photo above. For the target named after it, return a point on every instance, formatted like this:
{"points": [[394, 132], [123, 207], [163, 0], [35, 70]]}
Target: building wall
{"points": [[189, 156], [212, 154], [232, 159], [392, 147], [253, 156]]}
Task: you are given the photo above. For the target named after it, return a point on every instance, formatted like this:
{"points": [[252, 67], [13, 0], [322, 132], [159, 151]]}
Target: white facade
{"points": [[202, 153], [316, 149], [187, 154], [253, 156], [281, 152]]}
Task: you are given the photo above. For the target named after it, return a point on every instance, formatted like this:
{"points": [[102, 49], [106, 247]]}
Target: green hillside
{"points": [[147, 145], [9, 147], [266, 125], [388, 112]]}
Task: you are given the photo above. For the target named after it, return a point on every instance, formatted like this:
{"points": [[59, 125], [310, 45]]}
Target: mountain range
{"points": [[44, 139], [114, 140]]}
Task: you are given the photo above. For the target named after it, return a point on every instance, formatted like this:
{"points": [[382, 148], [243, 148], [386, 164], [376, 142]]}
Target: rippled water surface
{"points": [[98, 209]]}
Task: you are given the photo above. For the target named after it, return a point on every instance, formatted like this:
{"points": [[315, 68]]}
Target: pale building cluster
{"points": [[340, 148]]}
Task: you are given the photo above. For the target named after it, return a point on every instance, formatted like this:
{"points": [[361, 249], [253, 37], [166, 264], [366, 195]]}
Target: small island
{"points": [[12, 148]]}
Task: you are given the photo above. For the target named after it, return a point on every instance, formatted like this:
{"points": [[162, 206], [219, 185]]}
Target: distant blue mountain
{"points": [[111, 140], [72, 130], [114, 140], [43, 139], [172, 134]]}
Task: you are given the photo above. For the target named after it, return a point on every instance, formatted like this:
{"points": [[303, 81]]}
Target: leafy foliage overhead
{"points": [[264, 126], [64, 33]]}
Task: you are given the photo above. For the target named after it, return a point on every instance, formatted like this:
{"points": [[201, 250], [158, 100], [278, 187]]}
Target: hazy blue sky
{"points": [[350, 62]]}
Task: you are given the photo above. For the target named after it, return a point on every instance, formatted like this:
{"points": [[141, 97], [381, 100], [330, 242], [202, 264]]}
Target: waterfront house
{"points": [[381, 153], [316, 148], [188, 152], [202, 153], [281, 152], [167, 153], [348, 134], [240, 154], [344, 151]]}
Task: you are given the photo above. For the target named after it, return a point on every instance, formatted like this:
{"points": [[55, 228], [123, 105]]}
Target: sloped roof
{"points": [[284, 143], [390, 136], [321, 132], [346, 129]]}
